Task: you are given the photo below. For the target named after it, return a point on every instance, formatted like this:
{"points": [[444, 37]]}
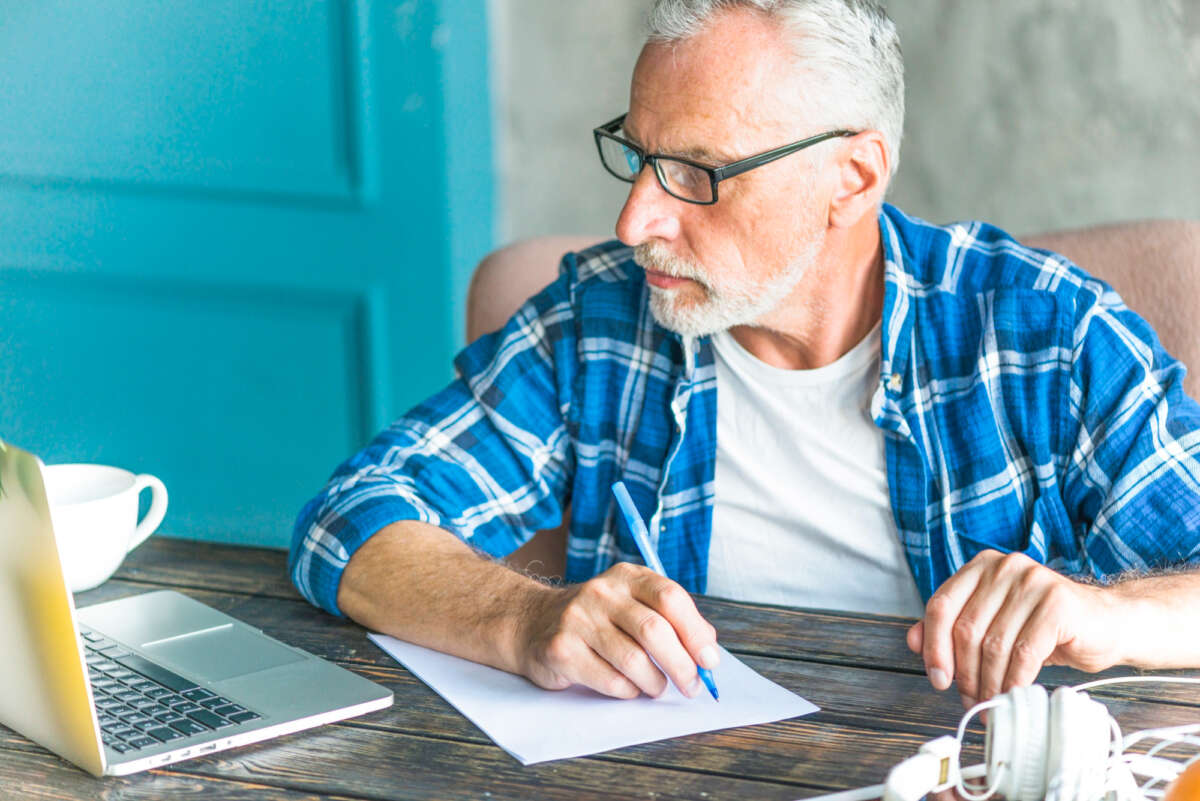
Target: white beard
{"points": [[732, 302]]}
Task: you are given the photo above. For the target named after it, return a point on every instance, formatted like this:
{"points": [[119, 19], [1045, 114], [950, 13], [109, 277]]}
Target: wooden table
{"points": [[876, 709]]}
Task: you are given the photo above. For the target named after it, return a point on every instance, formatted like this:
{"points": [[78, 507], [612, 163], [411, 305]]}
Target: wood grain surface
{"points": [[876, 708]]}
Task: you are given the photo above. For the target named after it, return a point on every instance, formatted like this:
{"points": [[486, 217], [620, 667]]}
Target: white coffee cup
{"points": [[94, 509]]}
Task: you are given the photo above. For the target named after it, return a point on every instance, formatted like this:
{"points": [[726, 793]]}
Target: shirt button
{"points": [[895, 382]]}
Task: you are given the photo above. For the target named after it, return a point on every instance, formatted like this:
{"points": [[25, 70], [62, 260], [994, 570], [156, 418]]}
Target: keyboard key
{"points": [[98, 643], [107, 721], [155, 673], [112, 651], [184, 706], [141, 741], [144, 686], [123, 674], [118, 746], [166, 717], [163, 733], [197, 694], [186, 726], [128, 696], [209, 719], [124, 732], [214, 702], [243, 717], [227, 710], [159, 694], [90, 636]]}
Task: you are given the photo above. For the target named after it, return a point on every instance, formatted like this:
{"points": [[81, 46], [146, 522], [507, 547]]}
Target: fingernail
{"points": [[709, 657], [694, 689], [938, 678], [967, 700]]}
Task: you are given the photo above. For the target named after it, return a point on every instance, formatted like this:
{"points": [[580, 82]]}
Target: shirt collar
{"points": [[897, 304]]}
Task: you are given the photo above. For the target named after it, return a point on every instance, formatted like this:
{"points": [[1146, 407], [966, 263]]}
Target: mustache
{"points": [[655, 256]]}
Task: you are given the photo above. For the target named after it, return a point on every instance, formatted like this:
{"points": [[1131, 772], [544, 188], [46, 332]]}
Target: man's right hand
{"points": [[608, 634], [422, 584]]}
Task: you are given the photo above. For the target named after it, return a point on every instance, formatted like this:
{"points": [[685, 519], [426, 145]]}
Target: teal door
{"points": [[234, 235]]}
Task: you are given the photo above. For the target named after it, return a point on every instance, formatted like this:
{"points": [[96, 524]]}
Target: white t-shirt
{"points": [[802, 515]]}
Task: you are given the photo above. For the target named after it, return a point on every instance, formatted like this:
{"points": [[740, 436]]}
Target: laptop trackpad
{"points": [[220, 653]]}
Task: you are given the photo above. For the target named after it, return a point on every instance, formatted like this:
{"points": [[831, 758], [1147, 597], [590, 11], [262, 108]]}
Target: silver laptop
{"points": [[139, 682]]}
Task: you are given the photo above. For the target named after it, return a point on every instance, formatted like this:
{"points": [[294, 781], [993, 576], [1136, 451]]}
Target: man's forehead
{"points": [[709, 92]]}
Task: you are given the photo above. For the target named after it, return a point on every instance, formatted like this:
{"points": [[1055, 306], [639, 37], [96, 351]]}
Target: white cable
{"points": [[970, 795], [876, 790], [861, 794], [1137, 679]]}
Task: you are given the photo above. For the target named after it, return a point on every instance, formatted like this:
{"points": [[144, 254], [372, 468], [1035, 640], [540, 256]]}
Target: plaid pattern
{"points": [[1024, 408]]}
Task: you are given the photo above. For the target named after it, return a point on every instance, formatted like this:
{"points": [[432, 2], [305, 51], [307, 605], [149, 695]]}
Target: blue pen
{"points": [[634, 521]]}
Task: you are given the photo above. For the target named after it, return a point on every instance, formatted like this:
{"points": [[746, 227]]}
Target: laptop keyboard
{"points": [[141, 704]]}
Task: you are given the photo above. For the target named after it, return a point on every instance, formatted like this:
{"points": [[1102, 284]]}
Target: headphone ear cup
{"points": [[1016, 744], [1080, 742], [1064, 768]]}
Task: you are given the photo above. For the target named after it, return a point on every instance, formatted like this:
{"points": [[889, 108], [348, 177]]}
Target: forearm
{"points": [[1157, 620], [422, 584]]}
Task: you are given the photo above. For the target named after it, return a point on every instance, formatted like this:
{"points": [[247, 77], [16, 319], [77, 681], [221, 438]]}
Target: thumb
{"points": [[916, 637]]}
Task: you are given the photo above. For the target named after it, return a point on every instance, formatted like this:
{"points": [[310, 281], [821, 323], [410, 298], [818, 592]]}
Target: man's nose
{"points": [[649, 212]]}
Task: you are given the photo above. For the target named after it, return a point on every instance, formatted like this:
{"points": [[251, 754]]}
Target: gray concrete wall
{"points": [[1032, 114]]}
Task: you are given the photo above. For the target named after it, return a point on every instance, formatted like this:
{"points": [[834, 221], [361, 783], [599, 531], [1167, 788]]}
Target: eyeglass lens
{"points": [[680, 179]]}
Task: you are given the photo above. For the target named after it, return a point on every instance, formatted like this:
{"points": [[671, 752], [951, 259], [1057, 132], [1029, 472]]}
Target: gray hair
{"points": [[848, 48]]}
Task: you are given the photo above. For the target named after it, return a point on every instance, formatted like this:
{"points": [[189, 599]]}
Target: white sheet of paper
{"points": [[536, 725]]}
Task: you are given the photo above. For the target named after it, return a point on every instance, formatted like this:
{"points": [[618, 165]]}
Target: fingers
{"points": [[568, 660], [675, 605], [1033, 647], [971, 630], [668, 627], [994, 625], [915, 638], [996, 649], [618, 634], [941, 615]]}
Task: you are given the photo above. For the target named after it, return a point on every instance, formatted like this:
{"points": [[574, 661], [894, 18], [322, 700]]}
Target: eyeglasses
{"points": [[679, 177]]}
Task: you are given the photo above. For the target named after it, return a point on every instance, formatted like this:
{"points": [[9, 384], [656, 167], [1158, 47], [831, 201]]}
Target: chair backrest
{"points": [[1154, 265], [508, 277]]}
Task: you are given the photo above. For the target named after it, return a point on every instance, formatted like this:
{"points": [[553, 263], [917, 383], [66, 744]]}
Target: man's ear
{"points": [[863, 163]]}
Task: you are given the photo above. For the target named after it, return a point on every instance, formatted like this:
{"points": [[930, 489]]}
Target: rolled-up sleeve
{"points": [[489, 458], [1133, 474]]}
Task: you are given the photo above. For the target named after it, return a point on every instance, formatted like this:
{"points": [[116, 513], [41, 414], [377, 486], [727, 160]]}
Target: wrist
{"points": [[1134, 622], [518, 625]]}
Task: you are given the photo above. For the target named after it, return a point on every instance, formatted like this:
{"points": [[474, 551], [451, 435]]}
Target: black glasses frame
{"points": [[715, 174]]}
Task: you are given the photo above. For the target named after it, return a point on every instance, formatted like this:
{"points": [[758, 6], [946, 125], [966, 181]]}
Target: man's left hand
{"points": [[994, 624]]}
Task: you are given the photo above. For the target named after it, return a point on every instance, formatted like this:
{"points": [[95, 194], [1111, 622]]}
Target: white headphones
{"points": [[1057, 747], [1041, 746]]}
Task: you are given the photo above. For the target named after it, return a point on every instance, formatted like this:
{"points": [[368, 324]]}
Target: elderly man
{"points": [[814, 399]]}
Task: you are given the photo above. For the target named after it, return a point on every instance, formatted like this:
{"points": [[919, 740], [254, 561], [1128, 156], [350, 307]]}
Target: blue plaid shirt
{"points": [[1024, 408]]}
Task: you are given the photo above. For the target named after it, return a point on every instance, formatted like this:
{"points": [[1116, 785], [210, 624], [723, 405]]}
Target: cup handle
{"points": [[156, 513]]}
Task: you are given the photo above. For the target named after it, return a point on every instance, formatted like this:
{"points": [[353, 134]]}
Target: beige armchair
{"points": [[1154, 265]]}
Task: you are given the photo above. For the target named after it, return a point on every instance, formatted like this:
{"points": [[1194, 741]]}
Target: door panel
{"points": [[233, 236]]}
